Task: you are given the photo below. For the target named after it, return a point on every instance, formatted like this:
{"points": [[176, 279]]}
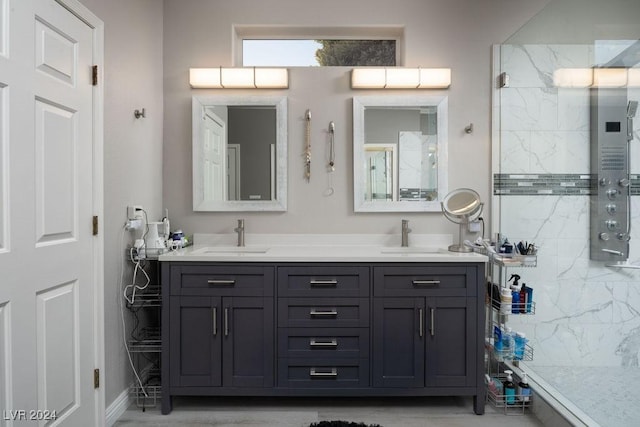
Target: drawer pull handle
{"points": [[426, 282], [314, 373], [316, 343], [226, 321], [323, 282], [221, 282], [332, 312], [432, 327], [215, 320]]}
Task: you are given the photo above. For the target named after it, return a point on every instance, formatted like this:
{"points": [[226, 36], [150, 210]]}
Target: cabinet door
{"points": [[451, 342], [398, 342], [248, 347], [195, 341]]}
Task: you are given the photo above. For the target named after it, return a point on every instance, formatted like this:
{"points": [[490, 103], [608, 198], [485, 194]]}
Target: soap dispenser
{"points": [[524, 390], [509, 389]]}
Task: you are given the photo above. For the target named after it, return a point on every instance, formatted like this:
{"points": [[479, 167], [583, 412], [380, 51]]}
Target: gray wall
{"points": [[149, 47], [454, 33], [132, 149]]}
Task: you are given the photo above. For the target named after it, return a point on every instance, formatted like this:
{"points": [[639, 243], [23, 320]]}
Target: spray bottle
{"points": [[515, 294]]}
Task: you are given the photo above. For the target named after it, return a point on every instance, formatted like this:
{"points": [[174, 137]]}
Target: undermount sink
{"points": [[410, 250], [216, 250]]}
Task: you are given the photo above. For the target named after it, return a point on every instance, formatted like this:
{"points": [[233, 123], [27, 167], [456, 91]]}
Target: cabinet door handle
{"points": [[426, 282], [314, 373], [215, 320], [323, 282], [221, 282], [432, 326], [315, 343], [226, 321], [331, 312], [421, 321]]}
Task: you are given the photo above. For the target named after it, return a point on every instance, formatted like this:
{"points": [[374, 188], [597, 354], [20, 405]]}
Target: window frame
{"points": [[256, 32]]}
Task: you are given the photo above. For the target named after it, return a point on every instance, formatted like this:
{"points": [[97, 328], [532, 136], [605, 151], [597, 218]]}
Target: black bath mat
{"points": [[342, 424]]}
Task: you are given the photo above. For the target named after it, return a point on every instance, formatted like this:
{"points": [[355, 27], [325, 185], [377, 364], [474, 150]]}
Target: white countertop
{"points": [[320, 248]]}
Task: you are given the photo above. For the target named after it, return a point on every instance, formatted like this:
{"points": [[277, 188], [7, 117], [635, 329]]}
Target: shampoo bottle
{"points": [[505, 301], [509, 389], [524, 390], [523, 298]]}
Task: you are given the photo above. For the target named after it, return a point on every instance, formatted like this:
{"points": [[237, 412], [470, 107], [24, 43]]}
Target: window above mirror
{"points": [[296, 46]]}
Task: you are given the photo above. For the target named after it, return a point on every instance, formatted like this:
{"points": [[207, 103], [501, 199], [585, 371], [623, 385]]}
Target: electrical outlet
{"points": [[134, 212]]}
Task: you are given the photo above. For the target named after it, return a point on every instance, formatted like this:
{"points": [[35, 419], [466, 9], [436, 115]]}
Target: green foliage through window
{"points": [[354, 53]]}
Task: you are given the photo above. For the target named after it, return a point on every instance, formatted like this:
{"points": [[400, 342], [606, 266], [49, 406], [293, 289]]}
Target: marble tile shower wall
{"points": [[586, 314]]}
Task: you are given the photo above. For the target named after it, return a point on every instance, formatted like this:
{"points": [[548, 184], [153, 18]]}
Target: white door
{"points": [[214, 158], [48, 254]]}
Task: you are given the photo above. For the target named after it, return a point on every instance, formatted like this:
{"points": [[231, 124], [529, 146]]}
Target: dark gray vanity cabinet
{"points": [[218, 329], [427, 328], [320, 329]]}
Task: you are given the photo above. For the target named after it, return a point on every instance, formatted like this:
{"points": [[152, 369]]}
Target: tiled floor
{"points": [[300, 412]]}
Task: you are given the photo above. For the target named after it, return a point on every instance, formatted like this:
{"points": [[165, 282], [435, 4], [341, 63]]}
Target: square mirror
{"points": [[399, 153]]}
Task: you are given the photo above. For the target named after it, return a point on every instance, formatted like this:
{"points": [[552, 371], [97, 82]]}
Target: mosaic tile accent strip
{"points": [[550, 184]]}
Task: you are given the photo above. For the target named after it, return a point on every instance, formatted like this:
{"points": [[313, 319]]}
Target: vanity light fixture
{"points": [[400, 78], [596, 77], [239, 78]]}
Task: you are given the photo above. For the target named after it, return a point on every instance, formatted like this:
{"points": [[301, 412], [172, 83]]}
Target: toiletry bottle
{"points": [[519, 342], [507, 343], [523, 298], [515, 300], [524, 390], [497, 338], [505, 301], [509, 389], [529, 299]]}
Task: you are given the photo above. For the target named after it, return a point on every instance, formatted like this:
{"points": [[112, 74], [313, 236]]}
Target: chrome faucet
{"points": [[405, 233], [240, 230]]}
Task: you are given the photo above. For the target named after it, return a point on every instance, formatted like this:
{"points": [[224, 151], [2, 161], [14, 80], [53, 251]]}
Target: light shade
{"points": [[239, 78], [400, 78], [596, 77]]}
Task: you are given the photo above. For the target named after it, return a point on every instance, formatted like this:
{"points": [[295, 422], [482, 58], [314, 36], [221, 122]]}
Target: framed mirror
{"points": [[399, 153], [239, 153]]}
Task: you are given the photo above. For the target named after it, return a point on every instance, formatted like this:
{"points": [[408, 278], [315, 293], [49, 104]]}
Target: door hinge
{"points": [[95, 225], [96, 378], [94, 75]]}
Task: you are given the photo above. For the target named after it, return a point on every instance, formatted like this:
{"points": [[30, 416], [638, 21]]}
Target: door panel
{"points": [[58, 340], [56, 174], [248, 342], [398, 342], [195, 336], [451, 339]]}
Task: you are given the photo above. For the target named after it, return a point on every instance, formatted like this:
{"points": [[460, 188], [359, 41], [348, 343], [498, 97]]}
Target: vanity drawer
{"points": [[398, 281], [323, 343], [222, 280], [328, 281], [323, 373], [323, 312]]}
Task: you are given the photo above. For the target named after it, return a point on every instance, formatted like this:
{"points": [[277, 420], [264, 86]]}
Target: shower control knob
{"points": [[611, 225], [611, 209], [624, 182], [604, 182], [612, 193], [604, 236]]}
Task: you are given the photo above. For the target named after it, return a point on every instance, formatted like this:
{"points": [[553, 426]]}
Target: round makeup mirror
{"points": [[461, 206]]}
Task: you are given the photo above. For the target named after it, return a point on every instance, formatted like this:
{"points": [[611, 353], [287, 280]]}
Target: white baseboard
{"points": [[117, 408]]}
